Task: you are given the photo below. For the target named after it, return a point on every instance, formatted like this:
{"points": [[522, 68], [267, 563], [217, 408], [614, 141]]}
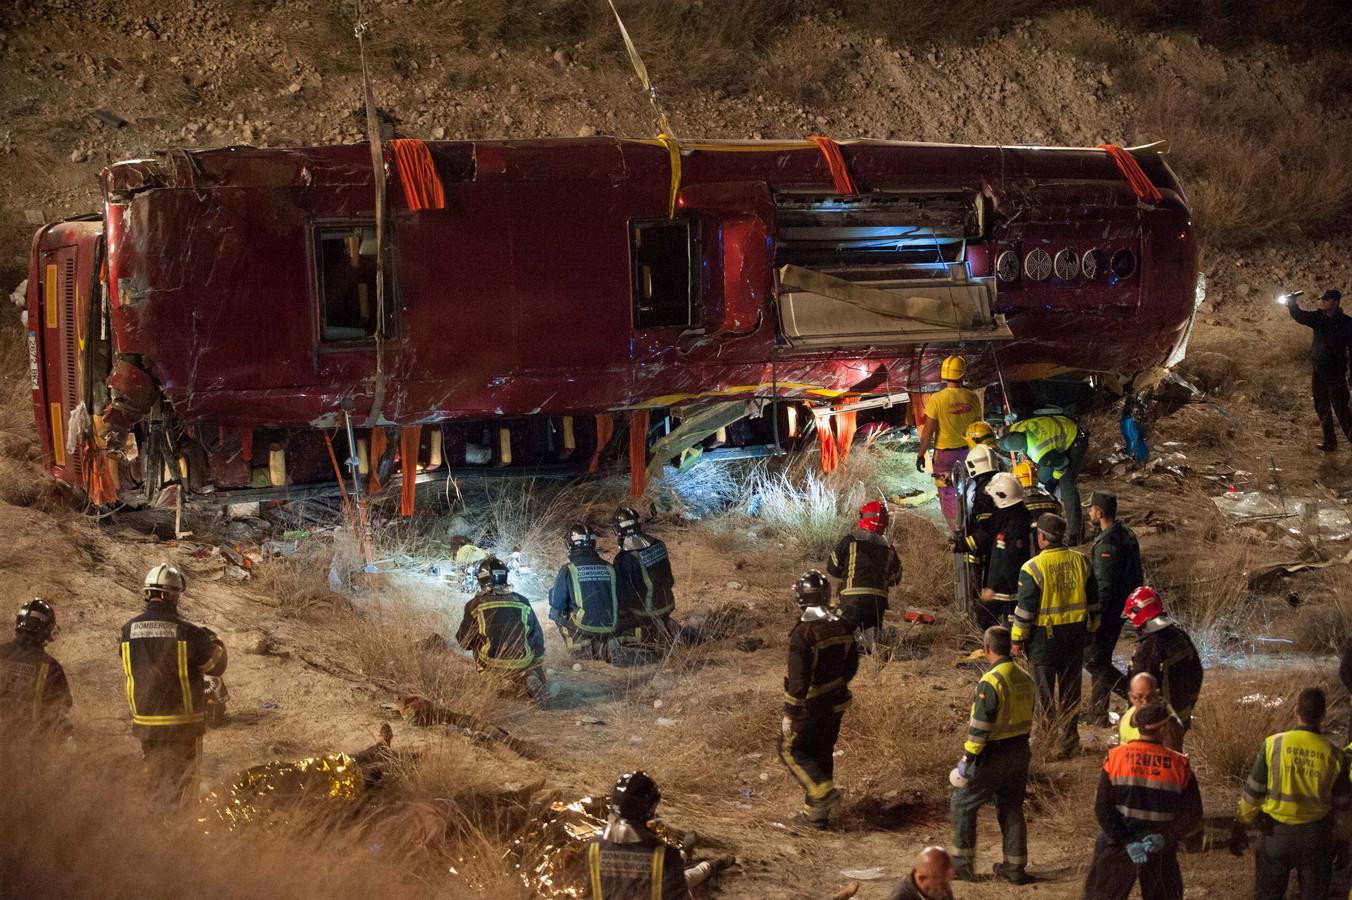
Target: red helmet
{"points": [[1142, 605], [873, 516]]}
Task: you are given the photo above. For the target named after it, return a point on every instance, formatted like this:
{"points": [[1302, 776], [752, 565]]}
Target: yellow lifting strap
{"points": [[666, 135], [674, 151]]}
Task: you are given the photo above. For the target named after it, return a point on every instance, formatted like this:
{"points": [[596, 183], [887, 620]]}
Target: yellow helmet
{"points": [[978, 433], [1025, 472], [953, 369]]}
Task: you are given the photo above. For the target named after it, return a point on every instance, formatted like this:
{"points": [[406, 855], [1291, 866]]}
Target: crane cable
{"points": [[360, 29]]}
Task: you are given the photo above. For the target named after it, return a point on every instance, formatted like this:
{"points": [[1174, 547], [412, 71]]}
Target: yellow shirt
{"points": [[952, 410]]}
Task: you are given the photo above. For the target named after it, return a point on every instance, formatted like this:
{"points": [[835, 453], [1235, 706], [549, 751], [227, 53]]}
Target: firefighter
{"points": [[948, 413], [1145, 690], [34, 695], [628, 861], [994, 764], [583, 601], [1164, 650], [931, 879], [501, 630], [1328, 356], [1116, 557], [1054, 617], [823, 657], [1297, 785], [975, 536], [868, 568], [645, 580], [979, 434], [1010, 529], [1056, 445], [165, 660], [1147, 802]]}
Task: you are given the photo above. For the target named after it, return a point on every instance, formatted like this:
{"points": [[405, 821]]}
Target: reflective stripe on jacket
{"points": [[1047, 434], [645, 577], [164, 661], [1293, 780], [866, 564], [1055, 588], [585, 594], [1002, 708], [33, 687], [500, 628], [823, 657], [635, 871], [1148, 781]]}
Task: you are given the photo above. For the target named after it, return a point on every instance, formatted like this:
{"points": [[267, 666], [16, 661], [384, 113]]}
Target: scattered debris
{"points": [[1311, 517], [1262, 700], [590, 720], [871, 874], [109, 118]]}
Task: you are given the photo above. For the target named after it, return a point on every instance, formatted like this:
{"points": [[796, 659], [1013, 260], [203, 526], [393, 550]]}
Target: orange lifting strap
{"points": [[410, 437], [835, 162], [1135, 175], [418, 175], [638, 452]]}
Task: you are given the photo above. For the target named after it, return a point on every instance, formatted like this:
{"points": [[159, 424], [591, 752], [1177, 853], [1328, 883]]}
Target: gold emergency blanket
{"points": [[269, 792]]}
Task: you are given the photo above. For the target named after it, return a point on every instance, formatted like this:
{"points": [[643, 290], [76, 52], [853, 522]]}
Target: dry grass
{"points": [[64, 810], [1325, 626], [901, 738], [1235, 712], [1248, 172]]}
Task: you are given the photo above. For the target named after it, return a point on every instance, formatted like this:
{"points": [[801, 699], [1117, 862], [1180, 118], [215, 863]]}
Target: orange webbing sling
{"points": [[418, 175], [1135, 175], [835, 163]]}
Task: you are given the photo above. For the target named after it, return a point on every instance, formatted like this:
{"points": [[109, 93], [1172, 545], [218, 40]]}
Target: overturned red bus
{"points": [[213, 324]]}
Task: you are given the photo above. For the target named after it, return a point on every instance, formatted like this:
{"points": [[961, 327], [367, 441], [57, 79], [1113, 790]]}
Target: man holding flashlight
{"points": [[1328, 353]]}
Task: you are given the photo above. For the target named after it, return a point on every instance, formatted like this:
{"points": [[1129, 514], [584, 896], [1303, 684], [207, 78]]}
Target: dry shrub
{"points": [[57, 840], [1236, 711], [1248, 172], [301, 581], [901, 737], [926, 561], [405, 644], [1326, 627]]}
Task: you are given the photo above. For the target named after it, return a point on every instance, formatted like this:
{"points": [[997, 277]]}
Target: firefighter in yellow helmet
{"points": [[948, 414], [1056, 445], [980, 434], [1297, 785], [165, 660]]}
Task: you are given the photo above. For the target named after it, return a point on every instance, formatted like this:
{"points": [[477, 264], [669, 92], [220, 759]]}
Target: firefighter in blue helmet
{"points": [[645, 582], [501, 630], [583, 601]]}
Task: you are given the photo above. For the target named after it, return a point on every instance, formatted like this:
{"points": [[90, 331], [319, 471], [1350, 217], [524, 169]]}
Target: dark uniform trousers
{"points": [[1000, 775], [172, 765], [1308, 849], [1057, 669], [1106, 678], [1329, 386], [809, 752], [860, 611], [1112, 874]]}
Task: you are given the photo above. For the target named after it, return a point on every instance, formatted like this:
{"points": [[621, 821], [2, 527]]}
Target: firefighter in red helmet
{"points": [[1164, 650], [868, 567]]}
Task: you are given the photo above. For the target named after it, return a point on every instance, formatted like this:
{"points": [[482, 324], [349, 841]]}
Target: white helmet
{"points": [[1005, 490], [980, 461], [166, 579]]}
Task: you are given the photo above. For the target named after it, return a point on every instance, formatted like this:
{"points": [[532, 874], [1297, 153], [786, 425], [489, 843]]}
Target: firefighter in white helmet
{"points": [[1009, 549], [165, 661]]}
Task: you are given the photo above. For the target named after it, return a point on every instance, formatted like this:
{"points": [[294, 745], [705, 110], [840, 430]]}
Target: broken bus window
{"points": [[666, 266]]}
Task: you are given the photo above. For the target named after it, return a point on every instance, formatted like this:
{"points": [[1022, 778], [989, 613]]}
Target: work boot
{"points": [[1328, 446], [807, 820], [962, 870], [1011, 873]]}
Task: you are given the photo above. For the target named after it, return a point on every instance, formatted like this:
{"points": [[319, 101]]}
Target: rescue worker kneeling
{"points": [[34, 694], [823, 657], [501, 630], [583, 601], [869, 568], [994, 764], [629, 861], [645, 580], [165, 660], [1147, 802]]}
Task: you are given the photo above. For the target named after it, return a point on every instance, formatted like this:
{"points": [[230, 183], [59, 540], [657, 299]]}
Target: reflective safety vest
{"points": [[1002, 708], [1126, 728], [1292, 778], [1060, 575], [633, 872], [592, 595], [1047, 434], [164, 660], [1148, 781], [506, 625]]}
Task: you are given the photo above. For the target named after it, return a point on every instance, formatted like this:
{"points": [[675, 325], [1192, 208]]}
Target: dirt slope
{"points": [[273, 73]]}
